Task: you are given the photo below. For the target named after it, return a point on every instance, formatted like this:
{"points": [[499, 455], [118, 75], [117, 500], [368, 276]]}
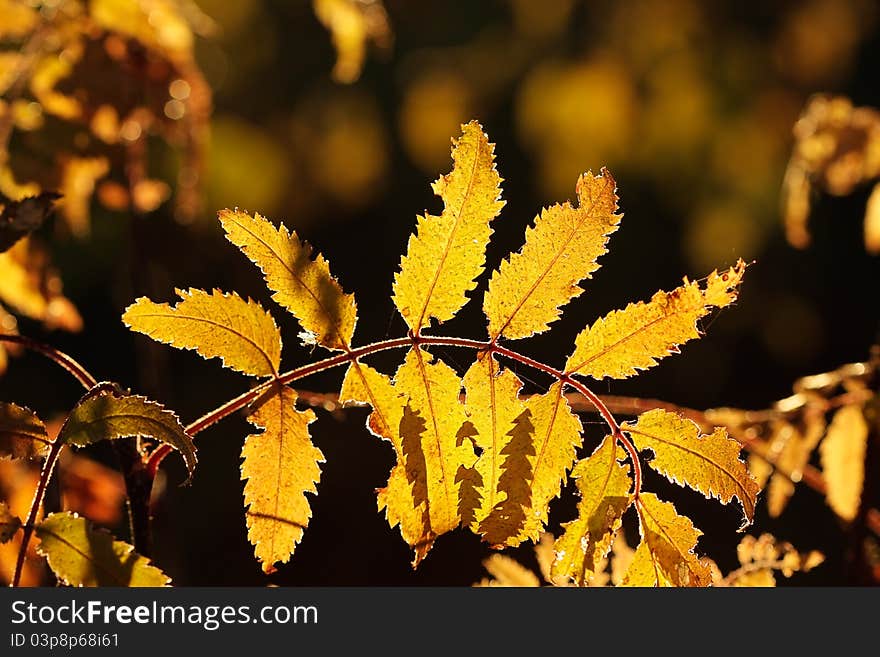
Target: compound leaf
{"points": [[102, 414], [842, 454], [302, 285], [604, 486], [708, 463], [22, 434], [215, 325], [526, 292], [665, 557], [81, 555], [279, 466], [637, 337], [447, 252]]}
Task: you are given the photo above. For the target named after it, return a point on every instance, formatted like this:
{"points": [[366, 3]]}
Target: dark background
{"points": [[689, 104]]}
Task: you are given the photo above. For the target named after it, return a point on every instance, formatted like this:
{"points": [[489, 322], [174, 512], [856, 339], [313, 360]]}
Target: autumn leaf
{"points": [[708, 463], [493, 408], [760, 557], [302, 285], [843, 460], [81, 555], [792, 448], [556, 437], [526, 292], [429, 431], [103, 415], [872, 222], [352, 24], [215, 325], [507, 572], [637, 337], [78, 178], [279, 465], [9, 523], [363, 385], [665, 556], [447, 252], [22, 434], [604, 487], [30, 286]]}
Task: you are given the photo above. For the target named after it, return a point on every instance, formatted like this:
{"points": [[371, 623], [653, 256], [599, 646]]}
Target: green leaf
{"points": [[81, 555], [102, 414]]}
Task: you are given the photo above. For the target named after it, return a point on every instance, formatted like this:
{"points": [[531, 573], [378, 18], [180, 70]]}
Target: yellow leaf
{"points": [[30, 285], [302, 285], [708, 463], [792, 449], [22, 434], [280, 465], [843, 460], [604, 486], [78, 178], [508, 572], [493, 407], [352, 23], [19, 19], [81, 555], [363, 385], [157, 24], [665, 557], [556, 436], [872, 222], [527, 290], [215, 325], [429, 431], [448, 252], [635, 338]]}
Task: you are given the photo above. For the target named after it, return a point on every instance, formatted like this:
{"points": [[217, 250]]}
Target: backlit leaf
{"points": [[872, 222], [215, 325], [104, 415], [508, 572], [9, 523], [792, 449], [81, 555], [429, 431], [302, 285], [447, 252], [526, 292], [708, 463], [843, 460], [78, 178], [604, 487], [556, 437], [635, 338], [364, 385], [353, 23], [30, 286], [280, 465], [665, 557], [22, 434], [493, 407]]}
